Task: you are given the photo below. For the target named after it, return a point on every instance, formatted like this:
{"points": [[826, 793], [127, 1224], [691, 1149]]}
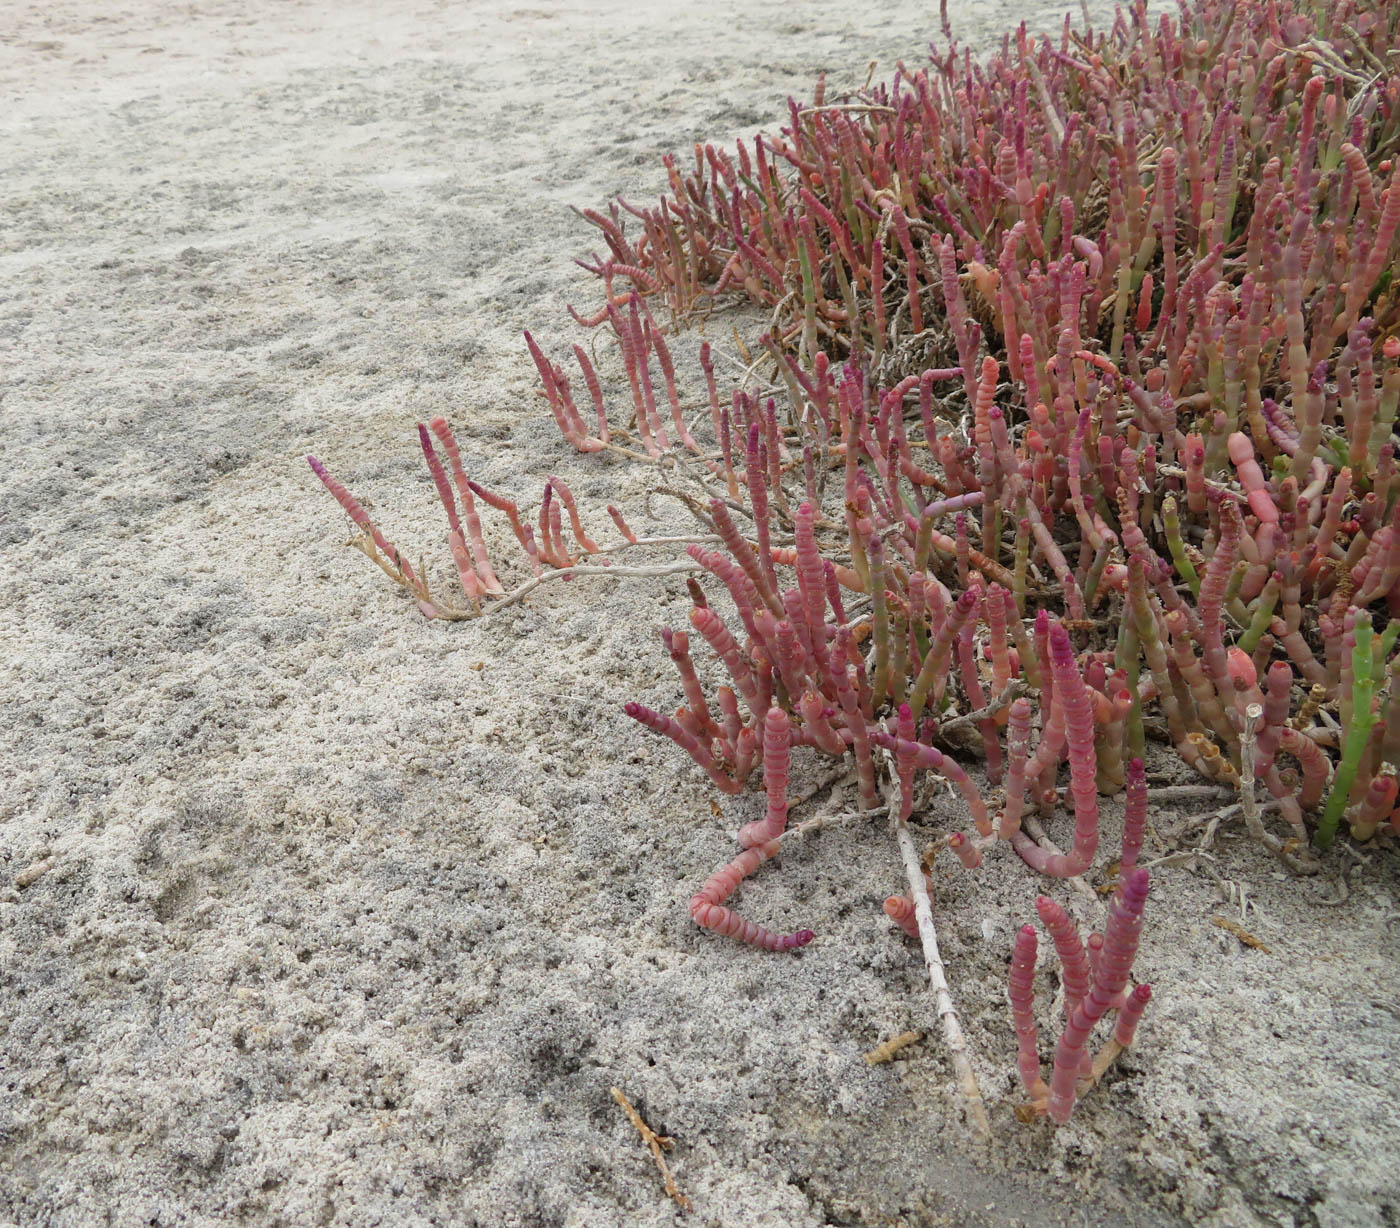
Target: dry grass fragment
{"points": [[658, 1143], [885, 1052], [1245, 937]]}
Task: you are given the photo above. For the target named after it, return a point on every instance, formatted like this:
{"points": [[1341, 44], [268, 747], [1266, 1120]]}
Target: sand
{"points": [[316, 912]]}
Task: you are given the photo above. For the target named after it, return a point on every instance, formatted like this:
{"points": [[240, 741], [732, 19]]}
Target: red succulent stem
{"points": [[1110, 977], [707, 905], [1021, 992]]}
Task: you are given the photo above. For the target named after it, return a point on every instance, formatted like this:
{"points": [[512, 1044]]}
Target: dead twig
{"points": [[885, 1052], [1013, 690], [928, 937], [1245, 937], [563, 573], [658, 1143], [1031, 825], [1187, 793], [32, 874]]}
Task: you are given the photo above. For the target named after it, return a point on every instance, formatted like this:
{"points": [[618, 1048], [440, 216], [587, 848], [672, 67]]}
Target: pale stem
{"points": [[1013, 690], [928, 937], [1031, 825], [519, 594]]}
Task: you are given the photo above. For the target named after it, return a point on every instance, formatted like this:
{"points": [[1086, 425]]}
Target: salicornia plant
{"points": [[1084, 365]]}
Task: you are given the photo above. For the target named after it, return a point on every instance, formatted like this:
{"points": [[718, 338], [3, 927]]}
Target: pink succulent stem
{"points": [[811, 581], [780, 646], [1129, 1016], [1054, 556], [999, 608], [757, 457], [969, 852], [1074, 962], [1194, 458], [1378, 252], [444, 490], [733, 578], [927, 758], [546, 546], [1072, 698], [1110, 977], [777, 738], [1134, 815], [1212, 597], [521, 531], [696, 748], [471, 583], [470, 519], [631, 360], [556, 532], [932, 677], [466, 574], [711, 626], [622, 526], [976, 696], [1241, 452], [1021, 991], [900, 909], [678, 648], [1316, 769], [566, 496], [816, 720], [856, 723], [639, 330], [1018, 748], [1376, 804], [905, 761], [595, 390], [668, 373], [1093, 949], [707, 905], [743, 554], [362, 520], [556, 391]]}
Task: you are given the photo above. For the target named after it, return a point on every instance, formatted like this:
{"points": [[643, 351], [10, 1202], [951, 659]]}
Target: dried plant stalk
{"points": [[657, 1144]]}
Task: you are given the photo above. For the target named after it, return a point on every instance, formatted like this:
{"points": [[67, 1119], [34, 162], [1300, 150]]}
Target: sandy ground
{"points": [[313, 912]]}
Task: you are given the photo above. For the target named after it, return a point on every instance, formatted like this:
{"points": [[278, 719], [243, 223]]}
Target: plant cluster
{"points": [[1090, 365]]}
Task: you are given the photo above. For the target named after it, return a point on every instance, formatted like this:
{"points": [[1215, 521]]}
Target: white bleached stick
{"points": [[928, 937]]}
